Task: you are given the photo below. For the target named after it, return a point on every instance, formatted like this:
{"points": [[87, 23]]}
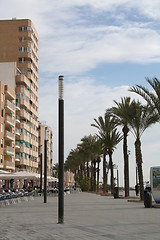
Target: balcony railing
{"points": [[17, 144], [10, 120], [17, 157], [9, 164], [10, 105], [9, 149], [9, 134], [18, 131]]}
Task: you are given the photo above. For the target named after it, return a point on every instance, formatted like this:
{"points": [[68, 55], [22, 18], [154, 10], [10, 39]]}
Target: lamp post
{"points": [[61, 151], [117, 174], [45, 167], [41, 169], [129, 153], [117, 177]]}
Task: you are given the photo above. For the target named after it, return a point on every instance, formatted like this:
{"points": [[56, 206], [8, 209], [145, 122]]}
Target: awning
{"points": [[19, 175]]}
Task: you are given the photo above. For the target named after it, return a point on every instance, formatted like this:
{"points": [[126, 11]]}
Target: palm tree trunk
{"points": [[104, 173], [98, 161], [94, 175], [87, 169], [112, 175], [139, 166], [126, 166], [91, 176]]}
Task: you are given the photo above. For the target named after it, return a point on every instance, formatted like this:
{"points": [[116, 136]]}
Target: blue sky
{"points": [[101, 47]]}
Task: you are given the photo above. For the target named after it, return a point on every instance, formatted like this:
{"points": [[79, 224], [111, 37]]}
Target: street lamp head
{"points": [[61, 87]]}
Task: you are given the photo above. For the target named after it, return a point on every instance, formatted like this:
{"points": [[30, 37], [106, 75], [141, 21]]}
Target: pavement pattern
{"points": [[87, 216]]}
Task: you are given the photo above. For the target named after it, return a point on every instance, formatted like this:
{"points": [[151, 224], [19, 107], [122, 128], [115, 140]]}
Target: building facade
{"points": [[7, 128], [19, 45], [45, 133]]}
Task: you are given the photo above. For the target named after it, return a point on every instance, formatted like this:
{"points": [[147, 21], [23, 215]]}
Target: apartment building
{"points": [[45, 133], [19, 44], [7, 128]]}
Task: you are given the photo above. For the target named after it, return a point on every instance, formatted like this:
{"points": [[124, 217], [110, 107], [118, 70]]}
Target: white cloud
{"points": [[79, 50], [71, 43]]}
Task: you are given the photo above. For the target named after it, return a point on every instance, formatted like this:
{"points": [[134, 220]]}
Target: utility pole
{"points": [[61, 151]]}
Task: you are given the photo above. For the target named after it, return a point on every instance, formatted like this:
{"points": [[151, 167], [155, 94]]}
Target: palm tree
{"points": [[122, 112], [141, 118], [98, 152], [73, 163], [88, 146], [55, 170], [113, 138], [107, 133], [152, 98]]}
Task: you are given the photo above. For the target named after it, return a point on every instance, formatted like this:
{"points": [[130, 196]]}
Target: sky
{"points": [[101, 48]]}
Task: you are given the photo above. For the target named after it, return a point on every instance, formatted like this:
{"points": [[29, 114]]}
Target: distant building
{"points": [[45, 131], [69, 179]]}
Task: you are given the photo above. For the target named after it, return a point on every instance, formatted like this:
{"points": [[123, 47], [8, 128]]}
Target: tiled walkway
{"points": [[87, 216]]}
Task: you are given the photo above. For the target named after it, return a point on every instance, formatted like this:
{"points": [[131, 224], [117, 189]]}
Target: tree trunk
{"points": [[111, 168], [91, 176], [94, 175], [98, 161], [104, 173], [126, 165], [87, 169], [139, 166], [81, 172]]}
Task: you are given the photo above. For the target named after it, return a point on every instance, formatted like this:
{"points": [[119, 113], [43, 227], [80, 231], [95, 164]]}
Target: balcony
{"points": [[25, 115], [9, 92], [17, 157], [35, 164], [9, 105], [9, 135], [17, 119], [10, 121], [24, 161], [17, 106], [9, 151], [22, 80], [17, 144], [9, 165], [24, 103], [18, 132]]}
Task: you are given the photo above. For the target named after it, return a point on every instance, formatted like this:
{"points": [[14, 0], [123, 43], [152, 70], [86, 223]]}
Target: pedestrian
{"points": [[148, 186], [137, 189]]}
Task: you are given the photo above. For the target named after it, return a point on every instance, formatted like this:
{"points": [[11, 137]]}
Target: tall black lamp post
{"points": [[45, 167], [61, 151], [41, 169]]}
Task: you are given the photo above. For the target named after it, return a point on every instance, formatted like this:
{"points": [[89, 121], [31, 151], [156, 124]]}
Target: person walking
{"points": [[137, 189]]}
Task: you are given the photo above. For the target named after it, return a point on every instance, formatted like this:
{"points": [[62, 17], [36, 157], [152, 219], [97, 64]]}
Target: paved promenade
{"points": [[87, 216]]}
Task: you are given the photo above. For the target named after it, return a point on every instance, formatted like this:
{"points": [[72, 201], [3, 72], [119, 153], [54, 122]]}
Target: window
{"points": [[20, 60], [2, 112], [1, 143], [25, 49], [1, 158]]}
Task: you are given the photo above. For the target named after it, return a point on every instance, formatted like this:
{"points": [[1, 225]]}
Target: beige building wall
{"points": [[69, 179], [42, 129], [8, 72], [7, 128], [19, 43]]}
